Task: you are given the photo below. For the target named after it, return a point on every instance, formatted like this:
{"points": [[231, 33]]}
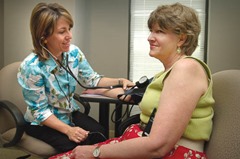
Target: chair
{"points": [[127, 122], [12, 108], [225, 139]]}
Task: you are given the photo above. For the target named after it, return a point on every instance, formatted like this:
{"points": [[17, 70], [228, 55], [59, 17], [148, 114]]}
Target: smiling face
{"points": [[163, 43], [59, 41]]}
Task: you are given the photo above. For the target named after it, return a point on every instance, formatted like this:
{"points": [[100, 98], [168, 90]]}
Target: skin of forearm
{"points": [[113, 93], [54, 123], [108, 81], [133, 148]]}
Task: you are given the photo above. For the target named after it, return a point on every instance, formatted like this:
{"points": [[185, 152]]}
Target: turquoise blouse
{"points": [[48, 88]]}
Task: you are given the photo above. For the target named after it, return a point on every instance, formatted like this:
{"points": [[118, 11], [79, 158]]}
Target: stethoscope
{"points": [[142, 83], [68, 70]]}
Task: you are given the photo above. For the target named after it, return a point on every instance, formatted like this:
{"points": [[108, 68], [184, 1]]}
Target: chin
{"points": [[151, 54], [66, 50]]}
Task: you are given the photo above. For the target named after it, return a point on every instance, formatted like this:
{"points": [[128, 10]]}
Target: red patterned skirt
{"points": [[134, 131]]}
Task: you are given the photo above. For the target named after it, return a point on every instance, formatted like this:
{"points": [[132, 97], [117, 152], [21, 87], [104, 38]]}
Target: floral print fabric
{"points": [[48, 88]]}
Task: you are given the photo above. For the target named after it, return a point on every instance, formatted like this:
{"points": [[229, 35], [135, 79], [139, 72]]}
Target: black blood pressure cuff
{"points": [[136, 94]]}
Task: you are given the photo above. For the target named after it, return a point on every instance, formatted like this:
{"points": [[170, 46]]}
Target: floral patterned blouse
{"points": [[48, 88]]}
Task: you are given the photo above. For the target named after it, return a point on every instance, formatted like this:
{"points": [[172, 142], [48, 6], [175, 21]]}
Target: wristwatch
{"points": [[96, 152]]}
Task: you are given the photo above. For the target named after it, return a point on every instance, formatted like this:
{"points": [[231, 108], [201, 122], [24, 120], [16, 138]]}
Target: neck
{"points": [[60, 57], [172, 61]]}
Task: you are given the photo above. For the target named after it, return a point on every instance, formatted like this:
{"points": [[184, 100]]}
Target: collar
{"points": [[52, 64]]}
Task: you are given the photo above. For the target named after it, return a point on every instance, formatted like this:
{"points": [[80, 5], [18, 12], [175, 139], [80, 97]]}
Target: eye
{"points": [[62, 31], [159, 31]]}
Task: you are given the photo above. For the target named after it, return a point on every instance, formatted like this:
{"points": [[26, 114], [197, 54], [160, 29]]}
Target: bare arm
{"points": [[113, 93], [105, 81], [184, 86]]}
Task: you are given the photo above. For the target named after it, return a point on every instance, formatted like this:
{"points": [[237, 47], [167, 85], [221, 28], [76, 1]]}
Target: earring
{"points": [[179, 50]]}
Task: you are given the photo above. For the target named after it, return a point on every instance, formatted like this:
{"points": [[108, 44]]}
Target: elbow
{"points": [[160, 152], [160, 148]]}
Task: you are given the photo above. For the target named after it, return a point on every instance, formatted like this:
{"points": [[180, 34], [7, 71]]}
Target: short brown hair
{"points": [[179, 19]]}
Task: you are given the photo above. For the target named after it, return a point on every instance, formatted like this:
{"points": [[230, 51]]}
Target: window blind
{"points": [[140, 62]]}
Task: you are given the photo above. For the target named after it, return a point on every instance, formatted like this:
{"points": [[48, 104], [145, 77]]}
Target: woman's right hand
{"points": [[77, 134]]}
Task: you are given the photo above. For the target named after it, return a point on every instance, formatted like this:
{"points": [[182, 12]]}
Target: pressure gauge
{"points": [[143, 82]]}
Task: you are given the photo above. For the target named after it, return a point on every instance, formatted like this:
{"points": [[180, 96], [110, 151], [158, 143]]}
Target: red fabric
{"points": [[178, 152]]}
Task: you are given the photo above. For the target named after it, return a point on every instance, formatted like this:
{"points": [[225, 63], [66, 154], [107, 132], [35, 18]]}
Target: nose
{"points": [[150, 37], [69, 35]]}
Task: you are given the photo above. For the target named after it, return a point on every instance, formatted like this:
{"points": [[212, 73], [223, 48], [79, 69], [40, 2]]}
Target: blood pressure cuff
{"points": [[135, 93]]}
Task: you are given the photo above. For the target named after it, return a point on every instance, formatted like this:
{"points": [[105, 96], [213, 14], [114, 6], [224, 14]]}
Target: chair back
{"points": [[10, 90], [225, 138], [9, 87]]}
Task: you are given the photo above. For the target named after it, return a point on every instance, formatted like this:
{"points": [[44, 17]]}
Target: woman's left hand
{"points": [[83, 152]]}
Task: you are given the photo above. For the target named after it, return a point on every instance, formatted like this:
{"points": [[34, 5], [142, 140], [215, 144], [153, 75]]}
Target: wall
{"points": [[1, 33], [223, 45], [107, 41], [101, 33], [17, 38]]}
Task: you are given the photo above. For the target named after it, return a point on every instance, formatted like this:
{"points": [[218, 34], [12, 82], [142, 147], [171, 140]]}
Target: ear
{"points": [[44, 39], [182, 39]]}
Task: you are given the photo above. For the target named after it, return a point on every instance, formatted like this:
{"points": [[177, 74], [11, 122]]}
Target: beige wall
{"points": [[224, 34], [1, 34], [17, 39], [107, 36], [101, 31]]}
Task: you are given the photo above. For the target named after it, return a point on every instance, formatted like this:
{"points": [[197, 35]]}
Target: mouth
{"points": [[66, 44], [152, 46]]}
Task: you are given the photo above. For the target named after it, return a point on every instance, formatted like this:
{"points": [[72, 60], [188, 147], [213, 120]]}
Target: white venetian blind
{"points": [[140, 62]]}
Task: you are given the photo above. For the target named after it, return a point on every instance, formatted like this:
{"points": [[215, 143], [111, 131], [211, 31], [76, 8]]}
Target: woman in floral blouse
{"points": [[47, 79]]}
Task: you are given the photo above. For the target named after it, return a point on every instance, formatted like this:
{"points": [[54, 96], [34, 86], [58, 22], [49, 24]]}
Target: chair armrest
{"points": [[19, 121], [85, 104], [127, 122]]}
